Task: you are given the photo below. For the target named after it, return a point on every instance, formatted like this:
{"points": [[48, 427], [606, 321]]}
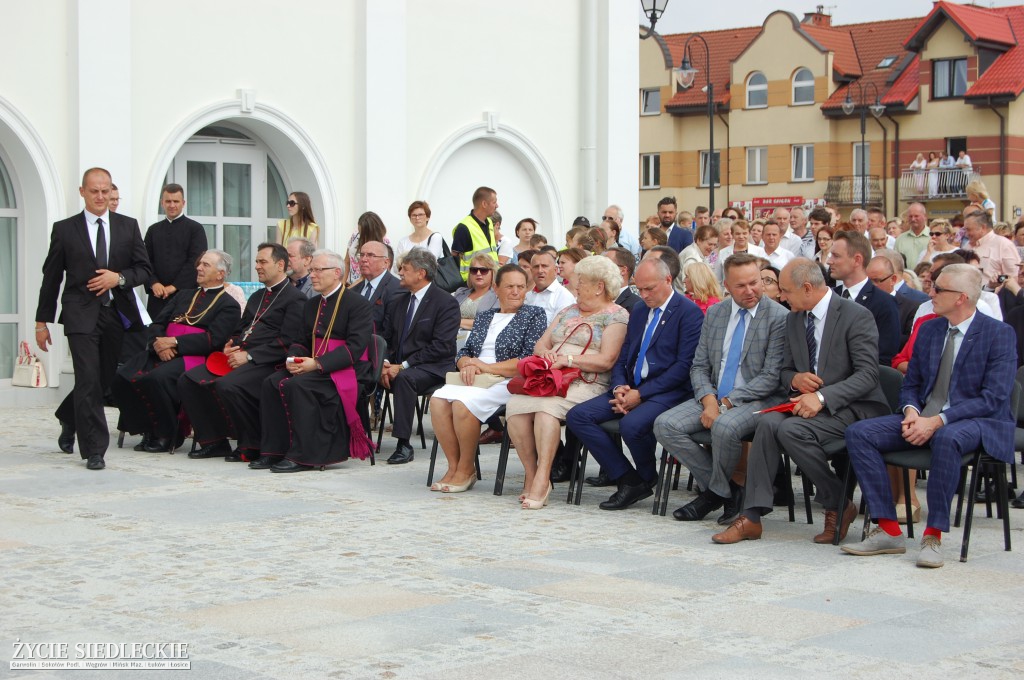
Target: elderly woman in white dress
{"points": [[500, 338]]}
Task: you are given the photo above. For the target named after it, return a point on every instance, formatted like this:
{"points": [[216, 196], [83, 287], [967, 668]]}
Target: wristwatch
{"points": [[120, 280], [248, 356], [821, 398]]}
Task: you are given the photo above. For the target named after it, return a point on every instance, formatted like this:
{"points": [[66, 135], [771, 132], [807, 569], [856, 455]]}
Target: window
{"points": [[757, 91], [9, 218], [886, 62], [954, 145], [757, 165], [803, 87], [803, 162], [650, 101], [986, 58], [650, 171], [949, 78], [714, 168]]}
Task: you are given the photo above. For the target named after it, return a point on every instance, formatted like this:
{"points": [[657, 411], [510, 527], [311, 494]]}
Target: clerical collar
{"points": [[207, 290], [336, 289], [278, 284], [175, 219]]}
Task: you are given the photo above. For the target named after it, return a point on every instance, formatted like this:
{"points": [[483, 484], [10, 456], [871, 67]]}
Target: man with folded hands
{"points": [[223, 405]]}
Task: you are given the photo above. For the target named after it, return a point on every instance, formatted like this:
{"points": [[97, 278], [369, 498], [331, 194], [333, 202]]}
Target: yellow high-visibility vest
{"points": [[481, 245]]}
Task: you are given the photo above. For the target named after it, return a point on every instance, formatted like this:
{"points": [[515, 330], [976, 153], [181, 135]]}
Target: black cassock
{"points": [[223, 407], [302, 416], [145, 388]]}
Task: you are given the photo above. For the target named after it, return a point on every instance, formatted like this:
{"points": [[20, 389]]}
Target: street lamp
{"points": [[877, 109], [653, 9], [685, 76]]}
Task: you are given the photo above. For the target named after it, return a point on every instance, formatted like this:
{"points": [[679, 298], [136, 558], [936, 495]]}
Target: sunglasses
{"points": [[939, 290], [479, 270], [936, 233], [292, 204]]}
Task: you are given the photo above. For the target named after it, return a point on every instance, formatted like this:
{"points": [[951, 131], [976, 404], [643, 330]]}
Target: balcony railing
{"points": [[846, 190], [922, 185]]}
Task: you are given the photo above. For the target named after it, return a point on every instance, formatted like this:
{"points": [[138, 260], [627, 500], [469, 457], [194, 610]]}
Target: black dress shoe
{"points": [[158, 445], [1018, 502], [66, 440], [264, 462], [95, 463], [602, 479], [699, 507], [215, 450], [989, 491], [561, 471], [626, 495], [239, 456], [403, 454], [289, 466], [733, 505], [141, 446]]}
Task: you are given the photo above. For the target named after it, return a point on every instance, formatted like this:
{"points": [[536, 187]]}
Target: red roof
{"points": [[978, 23], [1006, 75], [724, 46], [875, 41], [839, 41]]}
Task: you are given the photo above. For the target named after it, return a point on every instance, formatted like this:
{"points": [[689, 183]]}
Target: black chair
{"points": [[421, 409], [433, 461], [505, 443], [379, 350], [921, 459]]}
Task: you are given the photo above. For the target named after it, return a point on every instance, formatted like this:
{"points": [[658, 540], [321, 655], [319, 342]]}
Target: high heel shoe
{"points": [[458, 488], [531, 504], [901, 513], [437, 486]]}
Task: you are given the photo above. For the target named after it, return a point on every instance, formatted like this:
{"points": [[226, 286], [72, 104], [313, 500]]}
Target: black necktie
{"points": [[101, 245], [408, 325], [846, 294], [368, 290], [812, 344]]}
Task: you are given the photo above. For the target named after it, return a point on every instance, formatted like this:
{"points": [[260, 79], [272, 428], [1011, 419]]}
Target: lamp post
{"points": [[685, 77], [877, 109], [653, 9]]}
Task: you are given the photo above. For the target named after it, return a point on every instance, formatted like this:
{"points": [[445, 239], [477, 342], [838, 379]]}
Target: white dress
{"points": [[481, 402], [433, 244]]}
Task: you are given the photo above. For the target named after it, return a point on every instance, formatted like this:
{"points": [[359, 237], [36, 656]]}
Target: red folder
{"points": [[785, 407]]}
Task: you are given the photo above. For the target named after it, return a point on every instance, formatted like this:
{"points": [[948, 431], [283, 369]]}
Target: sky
{"points": [[684, 16]]}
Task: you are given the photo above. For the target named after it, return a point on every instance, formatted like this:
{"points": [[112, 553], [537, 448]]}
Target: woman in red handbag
{"points": [[587, 337]]}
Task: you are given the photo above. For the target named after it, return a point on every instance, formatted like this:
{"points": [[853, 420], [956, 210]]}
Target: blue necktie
{"points": [[644, 345], [812, 344], [408, 325], [732, 361]]}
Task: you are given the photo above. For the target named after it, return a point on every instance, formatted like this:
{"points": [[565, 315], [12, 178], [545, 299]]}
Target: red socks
{"points": [[890, 526], [932, 531]]}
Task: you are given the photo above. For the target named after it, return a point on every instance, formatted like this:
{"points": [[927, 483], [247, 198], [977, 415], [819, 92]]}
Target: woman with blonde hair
{"points": [[977, 194], [300, 221], [701, 286], [941, 237], [477, 295]]}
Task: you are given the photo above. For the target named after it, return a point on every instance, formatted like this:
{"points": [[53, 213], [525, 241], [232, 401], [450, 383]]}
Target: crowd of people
{"points": [[689, 332]]}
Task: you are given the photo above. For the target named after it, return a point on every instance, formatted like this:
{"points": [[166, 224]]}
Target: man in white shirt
{"points": [[626, 237], [771, 236], [548, 293], [798, 224], [740, 244], [789, 240]]}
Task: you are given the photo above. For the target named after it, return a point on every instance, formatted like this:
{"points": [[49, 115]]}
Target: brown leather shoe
{"points": [[740, 530], [490, 436], [828, 535]]}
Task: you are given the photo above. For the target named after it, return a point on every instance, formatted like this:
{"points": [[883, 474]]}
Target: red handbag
{"points": [[537, 379]]}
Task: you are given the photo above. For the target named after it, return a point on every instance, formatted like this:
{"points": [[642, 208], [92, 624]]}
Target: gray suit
{"points": [[760, 363], [848, 365]]}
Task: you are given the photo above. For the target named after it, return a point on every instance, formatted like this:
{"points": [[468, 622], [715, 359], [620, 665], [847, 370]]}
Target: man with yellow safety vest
{"points": [[474, 235]]}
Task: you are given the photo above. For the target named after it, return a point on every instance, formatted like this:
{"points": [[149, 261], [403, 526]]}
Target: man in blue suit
{"points": [[678, 237], [651, 376], [850, 254], [956, 398]]}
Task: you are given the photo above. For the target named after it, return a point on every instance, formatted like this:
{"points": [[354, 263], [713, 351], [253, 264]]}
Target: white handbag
{"points": [[28, 370]]}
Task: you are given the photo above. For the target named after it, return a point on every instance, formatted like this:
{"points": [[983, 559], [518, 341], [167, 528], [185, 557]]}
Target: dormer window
{"points": [[886, 62], [949, 78]]}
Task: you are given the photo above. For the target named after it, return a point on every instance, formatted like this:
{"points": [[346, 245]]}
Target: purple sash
{"points": [[174, 329], [359, 444]]}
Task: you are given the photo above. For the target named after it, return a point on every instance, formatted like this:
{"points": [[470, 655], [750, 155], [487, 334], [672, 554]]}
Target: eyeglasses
{"points": [[292, 204], [939, 290], [607, 217], [479, 270], [937, 233], [371, 255], [880, 280], [320, 270], [769, 280], [418, 216]]}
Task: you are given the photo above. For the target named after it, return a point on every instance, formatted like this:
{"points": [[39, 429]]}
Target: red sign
{"points": [[777, 201]]}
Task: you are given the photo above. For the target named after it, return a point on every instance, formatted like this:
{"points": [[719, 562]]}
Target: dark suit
{"points": [[908, 300], [379, 298], [173, 249], [627, 299], [229, 406], [887, 320], [669, 357], [979, 414], [429, 349], [848, 365], [679, 238], [94, 327]]}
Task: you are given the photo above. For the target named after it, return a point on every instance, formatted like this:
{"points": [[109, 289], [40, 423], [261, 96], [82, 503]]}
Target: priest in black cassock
{"points": [[226, 406], [174, 245], [313, 413], [196, 323]]}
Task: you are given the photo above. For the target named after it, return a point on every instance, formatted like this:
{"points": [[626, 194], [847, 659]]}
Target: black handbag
{"points": [[449, 277]]}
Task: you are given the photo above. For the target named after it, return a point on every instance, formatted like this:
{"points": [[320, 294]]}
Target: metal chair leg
{"points": [[433, 460], [476, 461], [499, 475], [906, 498], [965, 544]]}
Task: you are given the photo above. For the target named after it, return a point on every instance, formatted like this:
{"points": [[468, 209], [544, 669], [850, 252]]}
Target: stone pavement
{"points": [[361, 572]]}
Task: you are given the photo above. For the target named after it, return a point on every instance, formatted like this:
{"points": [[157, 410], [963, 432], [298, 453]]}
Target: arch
{"points": [[756, 91], [802, 90], [303, 165], [520, 147]]}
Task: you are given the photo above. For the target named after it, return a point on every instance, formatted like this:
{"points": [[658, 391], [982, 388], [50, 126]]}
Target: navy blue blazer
{"points": [[669, 355], [887, 318], [981, 386], [516, 340], [379, 298], [679, 238]]}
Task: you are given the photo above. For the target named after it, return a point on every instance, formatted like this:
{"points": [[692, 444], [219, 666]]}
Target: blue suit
{"points": [[669, 357], [887, 318], [979, 414], [679, 238]]}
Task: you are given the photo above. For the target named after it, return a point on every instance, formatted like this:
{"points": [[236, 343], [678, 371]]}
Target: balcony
{"points": [[944, 183], [846, 190]]}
